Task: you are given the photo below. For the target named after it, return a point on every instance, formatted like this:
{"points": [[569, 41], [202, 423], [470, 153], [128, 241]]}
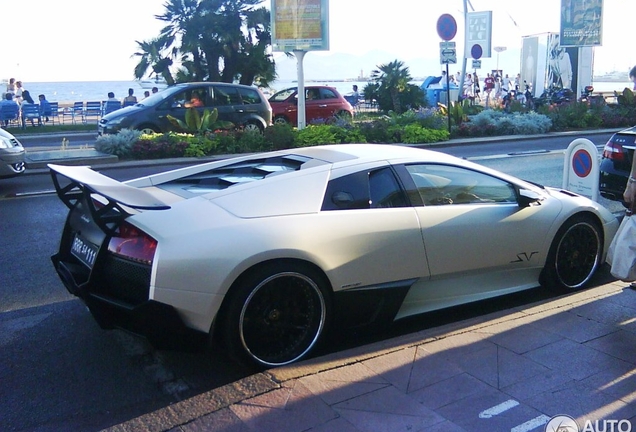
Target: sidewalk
{"points": [[508, 371]]}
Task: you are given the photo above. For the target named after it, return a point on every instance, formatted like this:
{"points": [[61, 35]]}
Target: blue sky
{"points": [[77, 40]]}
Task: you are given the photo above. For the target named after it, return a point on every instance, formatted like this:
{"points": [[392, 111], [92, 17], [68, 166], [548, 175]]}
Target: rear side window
{"points": [[364, 190], [226, 96], [250, 96], [326, 93]]}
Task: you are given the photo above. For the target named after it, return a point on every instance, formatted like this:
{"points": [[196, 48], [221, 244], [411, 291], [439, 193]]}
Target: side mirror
{"points": [[528, 198]]}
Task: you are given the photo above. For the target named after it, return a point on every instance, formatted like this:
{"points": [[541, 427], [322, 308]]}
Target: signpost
{"points": [[447, 29], [581, 169]]}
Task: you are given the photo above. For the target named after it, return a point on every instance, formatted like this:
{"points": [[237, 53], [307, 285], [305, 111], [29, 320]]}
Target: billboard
{"points": [[478, 32], [300, 25], [581, 23]]}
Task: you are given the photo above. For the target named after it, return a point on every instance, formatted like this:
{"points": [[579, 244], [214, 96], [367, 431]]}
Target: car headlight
{"points": [[116, 121], [5, 143]]}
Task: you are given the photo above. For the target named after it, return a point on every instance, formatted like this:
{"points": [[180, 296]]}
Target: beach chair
{"points": [[55, 112], [77, 110], [30, 114], [9, 116], [93, 109]]}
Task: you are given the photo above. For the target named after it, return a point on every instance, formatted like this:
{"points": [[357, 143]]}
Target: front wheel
{"points": [[281, 120], [574, 255], [253, 127], [276, 315]]}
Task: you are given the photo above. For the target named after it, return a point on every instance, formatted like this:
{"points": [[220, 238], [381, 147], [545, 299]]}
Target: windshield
{"points": [[283, 95]]}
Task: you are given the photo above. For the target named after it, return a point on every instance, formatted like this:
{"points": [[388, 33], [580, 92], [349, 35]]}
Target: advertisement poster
{"points": [[300, 25], [478, 32], [562, 64], [581, 23], [529, 63]]}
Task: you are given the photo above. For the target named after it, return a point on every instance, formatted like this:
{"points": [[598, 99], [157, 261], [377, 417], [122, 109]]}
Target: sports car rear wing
{"points": [[80, 182]]}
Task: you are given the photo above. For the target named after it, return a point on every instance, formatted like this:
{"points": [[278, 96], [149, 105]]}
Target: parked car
{"points": [[12, 155], [322, 104], [244, 106], [268, 252], [616, 164]]}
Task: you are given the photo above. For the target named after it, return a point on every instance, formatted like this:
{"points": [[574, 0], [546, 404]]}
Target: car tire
{"points": [[574, 255], [276, 314], [252, 126], [148, 130], [281, 120], [345, 115]]}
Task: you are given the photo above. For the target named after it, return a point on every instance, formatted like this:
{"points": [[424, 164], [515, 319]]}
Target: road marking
{"points": [[498, 409], [531, 424]]}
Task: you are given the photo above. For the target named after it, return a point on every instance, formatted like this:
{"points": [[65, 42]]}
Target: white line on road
{"points": [[531, 424], [498, 409]]}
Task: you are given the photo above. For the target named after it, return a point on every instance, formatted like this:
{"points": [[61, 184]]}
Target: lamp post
{"points": [[499, 49]]}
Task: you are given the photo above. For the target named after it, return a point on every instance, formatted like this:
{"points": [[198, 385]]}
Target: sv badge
{"points": [[524, 257]]}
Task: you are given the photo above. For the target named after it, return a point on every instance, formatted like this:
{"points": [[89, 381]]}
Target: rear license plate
{"points": [[84, 251]]}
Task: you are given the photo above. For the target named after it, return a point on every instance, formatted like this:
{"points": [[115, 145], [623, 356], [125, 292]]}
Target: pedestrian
{"points": [[13, 110], [489, 85], [477, 86], [632, 76], [131, 99], [45, 108], [155, 90]]}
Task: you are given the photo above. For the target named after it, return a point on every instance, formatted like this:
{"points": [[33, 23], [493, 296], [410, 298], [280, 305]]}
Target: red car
{"points": [[322, 104]]}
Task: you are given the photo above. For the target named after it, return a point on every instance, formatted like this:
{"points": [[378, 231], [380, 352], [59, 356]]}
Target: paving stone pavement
{"points": [[513, 370]]}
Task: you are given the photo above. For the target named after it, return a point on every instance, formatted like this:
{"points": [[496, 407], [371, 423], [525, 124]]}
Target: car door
{"points": [[478, 239], [330, 103], [376, 232], [316, 108], [177, 105], [227, 101]]}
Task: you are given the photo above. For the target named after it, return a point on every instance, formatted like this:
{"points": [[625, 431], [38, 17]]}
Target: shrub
{"points": [[376, 131], [119, 144], [280, 136], [416, 134], [159, 146], [316, 135]]}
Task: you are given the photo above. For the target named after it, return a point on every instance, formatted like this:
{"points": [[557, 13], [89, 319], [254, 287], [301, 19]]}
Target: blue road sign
{"points": [[446, 27]]}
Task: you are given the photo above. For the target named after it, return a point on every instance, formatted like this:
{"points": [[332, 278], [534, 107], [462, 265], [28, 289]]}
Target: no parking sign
{"points": [[581, 168]]}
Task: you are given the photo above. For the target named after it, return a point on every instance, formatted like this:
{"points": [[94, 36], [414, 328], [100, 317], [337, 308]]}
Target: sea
{"points": [[78, 91]]}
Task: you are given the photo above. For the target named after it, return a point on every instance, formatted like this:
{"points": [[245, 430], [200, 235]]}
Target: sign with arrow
{"points": [[447, 53]]}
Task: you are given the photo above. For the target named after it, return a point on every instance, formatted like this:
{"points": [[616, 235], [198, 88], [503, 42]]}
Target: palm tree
{"points": [[150, 53], [393, 79], [215, 40]]}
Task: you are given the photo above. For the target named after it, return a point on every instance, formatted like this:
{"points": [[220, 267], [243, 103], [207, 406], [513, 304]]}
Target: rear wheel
{"points": [[253, 127], [574, 255], [276, 315], [146, 129], [281, 120]]}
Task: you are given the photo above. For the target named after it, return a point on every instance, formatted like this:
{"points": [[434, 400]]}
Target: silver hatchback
{"points": [[12, 155]]}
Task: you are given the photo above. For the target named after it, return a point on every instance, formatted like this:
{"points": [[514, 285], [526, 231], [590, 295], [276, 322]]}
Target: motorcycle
{"points": [[555, 96]]}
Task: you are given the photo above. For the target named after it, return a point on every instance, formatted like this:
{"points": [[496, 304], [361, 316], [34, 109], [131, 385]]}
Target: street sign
{"points": [[446, 27], [476, 64], [581, 168], [476, 51], [447, 53]]}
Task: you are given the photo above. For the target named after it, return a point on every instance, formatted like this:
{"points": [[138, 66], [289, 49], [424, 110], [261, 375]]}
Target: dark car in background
{"points": [[242, 105], [12, 155], [322, 104], [616, 163]]}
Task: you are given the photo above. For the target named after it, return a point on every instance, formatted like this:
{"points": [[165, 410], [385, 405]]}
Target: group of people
{"points": [[497, 89], [16, 100]]}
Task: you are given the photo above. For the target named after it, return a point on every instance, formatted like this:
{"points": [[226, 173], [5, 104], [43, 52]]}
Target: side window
{"points": [[249, 96], [444, 184], [226, 96], [347, 192], [384, 190], [326, 93], [363, 190]]}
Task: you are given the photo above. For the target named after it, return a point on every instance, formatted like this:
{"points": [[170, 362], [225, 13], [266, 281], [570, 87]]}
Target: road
{"points": [[60, 371]]}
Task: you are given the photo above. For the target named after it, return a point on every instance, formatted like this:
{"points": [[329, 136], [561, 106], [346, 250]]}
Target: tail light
{"points": [[133, 244], [613, 151]]}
